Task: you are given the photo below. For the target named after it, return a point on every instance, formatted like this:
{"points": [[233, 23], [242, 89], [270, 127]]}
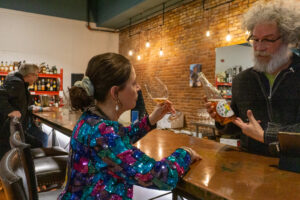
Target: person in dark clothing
{"points": [[266, 97], [140, 105], [6, 114], [17, 100]]}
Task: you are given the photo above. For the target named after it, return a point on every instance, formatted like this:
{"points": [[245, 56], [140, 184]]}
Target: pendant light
{"points": [[130, 52], [228, 36]]}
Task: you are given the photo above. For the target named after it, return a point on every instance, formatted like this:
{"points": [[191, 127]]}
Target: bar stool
{"points": [[18, 180], [49, 171], [15, 125]]}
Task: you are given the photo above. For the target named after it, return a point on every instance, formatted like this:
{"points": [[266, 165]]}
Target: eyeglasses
{"points": [[265, 42]]}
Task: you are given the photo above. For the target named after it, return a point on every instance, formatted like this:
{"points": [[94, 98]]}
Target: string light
{"points": [[161, 53], [139, 57], [207, 33], [247, 33], [147, 44], [228, 37], [208, 24], [130, 52]]}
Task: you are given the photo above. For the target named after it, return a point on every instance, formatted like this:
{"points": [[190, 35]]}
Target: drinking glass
{"points": [[158, 92]]}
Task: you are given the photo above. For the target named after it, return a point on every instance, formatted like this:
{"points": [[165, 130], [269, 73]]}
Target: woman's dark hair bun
{"points": [[79, 98]]}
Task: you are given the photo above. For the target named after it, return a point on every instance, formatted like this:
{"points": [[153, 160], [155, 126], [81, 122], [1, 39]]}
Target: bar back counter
{"points": [[223, 173]]}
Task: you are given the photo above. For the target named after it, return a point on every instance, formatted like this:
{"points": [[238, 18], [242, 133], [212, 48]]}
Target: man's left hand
{"points": [[252, 128]]}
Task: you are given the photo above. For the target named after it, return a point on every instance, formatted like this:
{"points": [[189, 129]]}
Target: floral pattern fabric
{"points": [[105, 165]]}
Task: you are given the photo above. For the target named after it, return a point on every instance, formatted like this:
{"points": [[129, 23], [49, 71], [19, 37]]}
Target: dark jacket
{"points": [[140, 105], [18, 95], [278, 105]]}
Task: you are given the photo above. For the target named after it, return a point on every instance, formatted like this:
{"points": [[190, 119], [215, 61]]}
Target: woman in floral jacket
{"points": [[103, 163]]}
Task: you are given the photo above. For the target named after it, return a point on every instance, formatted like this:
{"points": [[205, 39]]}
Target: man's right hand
{"points": [[209, 108], [15, 113]]}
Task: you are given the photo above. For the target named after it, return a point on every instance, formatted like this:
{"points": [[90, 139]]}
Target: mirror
{"points": [[230, 61]]}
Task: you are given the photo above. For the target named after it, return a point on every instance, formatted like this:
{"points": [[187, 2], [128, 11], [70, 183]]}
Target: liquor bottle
{"points": [[54, 85], [5, 67], [35, 86], [39, 87], [54, 70], [43, 85], [47, 70], [11, 67], [224, 113], [16, 66], [48, 85], [1, 67], [51, 85]]}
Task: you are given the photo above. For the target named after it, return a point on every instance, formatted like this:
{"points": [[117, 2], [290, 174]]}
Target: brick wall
{"points": [[184, 42]]}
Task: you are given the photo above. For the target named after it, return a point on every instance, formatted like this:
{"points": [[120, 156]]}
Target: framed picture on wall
{"points": [[195, 69]]}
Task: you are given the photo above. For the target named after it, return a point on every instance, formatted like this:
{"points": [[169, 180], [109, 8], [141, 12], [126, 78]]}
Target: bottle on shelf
{"points": [[39, 86], [54, 85], [11, 67], [224, 113], [54, 69], [1, 81], [43, 85], [16, 65], [5, 67], [2, 67], [35, 86], [51, 85], [48, 85], [47, 70]]}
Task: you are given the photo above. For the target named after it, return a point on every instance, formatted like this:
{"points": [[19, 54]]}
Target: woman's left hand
{"points": [[160, 111], [252, 128]]}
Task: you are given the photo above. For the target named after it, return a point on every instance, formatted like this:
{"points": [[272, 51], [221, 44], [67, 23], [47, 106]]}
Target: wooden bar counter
{"points": [[223, 173], [60, 119]]}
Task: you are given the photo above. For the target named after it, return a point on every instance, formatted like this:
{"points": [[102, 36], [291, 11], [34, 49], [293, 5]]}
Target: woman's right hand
{"points": [[160, 110], [194, 155], [210, 108]]}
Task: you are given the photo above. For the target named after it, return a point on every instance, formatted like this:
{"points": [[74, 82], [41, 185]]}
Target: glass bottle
{"points": [[6, 67], [2, 67], [54, 69], [224, 114], [11, 67], [39, 87], [43, 85], [54, 85]]}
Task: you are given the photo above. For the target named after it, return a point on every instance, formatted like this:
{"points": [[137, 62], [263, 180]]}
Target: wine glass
{"points": [[158, 92]]}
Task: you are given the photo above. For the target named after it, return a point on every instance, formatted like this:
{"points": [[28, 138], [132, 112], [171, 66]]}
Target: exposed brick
{"points": [[184, 43]]}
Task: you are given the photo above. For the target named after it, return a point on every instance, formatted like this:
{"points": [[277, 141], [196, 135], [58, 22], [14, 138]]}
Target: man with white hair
{"points": [[266, 97]]}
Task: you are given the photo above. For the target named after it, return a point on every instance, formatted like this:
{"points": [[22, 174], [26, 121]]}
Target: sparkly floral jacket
{"points": [[104, 165]]}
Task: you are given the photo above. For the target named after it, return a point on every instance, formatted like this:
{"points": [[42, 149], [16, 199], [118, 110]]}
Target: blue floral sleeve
{"points": [[138, 129], [128, 162]]}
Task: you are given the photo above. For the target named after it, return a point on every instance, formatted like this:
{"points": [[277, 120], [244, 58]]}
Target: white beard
{"points": [[278, 59]]}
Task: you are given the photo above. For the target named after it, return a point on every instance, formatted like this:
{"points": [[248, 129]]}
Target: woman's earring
{"points": [[117, 107]]}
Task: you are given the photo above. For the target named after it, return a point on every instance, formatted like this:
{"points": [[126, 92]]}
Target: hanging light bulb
{"points": [[228, 37], [207, 33], [139, 57], [130, 52], [147, 44], [161, 53]]}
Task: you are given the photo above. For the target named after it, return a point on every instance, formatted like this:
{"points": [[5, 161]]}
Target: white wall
{"points": [[66, 43], [234, 55]]}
